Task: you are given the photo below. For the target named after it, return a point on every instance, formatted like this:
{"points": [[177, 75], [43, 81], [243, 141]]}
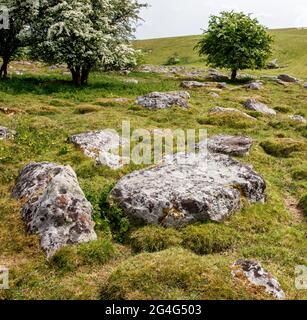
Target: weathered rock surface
{"points": [[187, 188], [5, 133], [230, 110], [131, 81], [257, 276], [214, 95], [298, 118], [163, 100], [305, 85], [287, 78], [273, 64], [98, 146], [254, 86], [231, 145], [252, 104], [54, 205], [194, 84], [222, 85], [216, 75]]}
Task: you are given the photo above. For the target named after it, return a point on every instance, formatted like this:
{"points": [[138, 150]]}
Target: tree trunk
{"points": [[84, 75], [3, 70], [234, 75], [76, 75]]}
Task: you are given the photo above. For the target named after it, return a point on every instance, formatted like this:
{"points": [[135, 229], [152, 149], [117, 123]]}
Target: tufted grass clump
{"points": [[208, 238], [228, 119], [281, 148], [300, 174], [153, 238], [175, 274], [303, 204], [70, 258]]}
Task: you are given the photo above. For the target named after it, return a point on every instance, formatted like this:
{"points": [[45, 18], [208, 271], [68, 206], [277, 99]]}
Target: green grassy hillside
{"points": [[290, 48]]}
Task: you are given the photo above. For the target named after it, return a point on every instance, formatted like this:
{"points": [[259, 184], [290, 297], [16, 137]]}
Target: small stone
{"points": [[164, 100], [5, 133], [54, 205], [194, 84], [287, 78], [257, 276], [305, 85], [131, 81], [254, 86], [298, 118], [230, 145], [98, 146], [231, 110], [273, 64], [252, 104], [214, 95], [221, 85]]}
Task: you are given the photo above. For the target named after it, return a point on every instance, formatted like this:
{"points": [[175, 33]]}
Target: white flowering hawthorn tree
{"points": [[86, 34], [15, 34]]}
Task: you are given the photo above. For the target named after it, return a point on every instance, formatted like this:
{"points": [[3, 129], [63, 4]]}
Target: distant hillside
{"points": [[290, 48]]}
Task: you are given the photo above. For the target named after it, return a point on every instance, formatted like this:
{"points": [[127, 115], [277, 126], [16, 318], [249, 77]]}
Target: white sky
{"points": [[166, 18]]}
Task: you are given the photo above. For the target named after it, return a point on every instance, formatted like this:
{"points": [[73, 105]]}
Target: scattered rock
{"points": [[270, 78], [252, 104], [226, 110], [180, 71], [222, 85], [305, 85], [254, 85], [273, 64], [194, 84], [298, 118], [98, 146], [215, 75], [283, 83], [214, 95], [257, 276], [160, 100], [54, 205], [131, 81], [5, 133], [287, 78], [231, 145], [187, 188]]}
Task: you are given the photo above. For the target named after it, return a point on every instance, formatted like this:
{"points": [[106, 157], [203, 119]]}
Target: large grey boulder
{"points": [[54, 205], [164, 100], [98, 145], [187, 188], [287, 78], [226, 144], [194, 84], [230, 110], [256, 276], [253, 104]]}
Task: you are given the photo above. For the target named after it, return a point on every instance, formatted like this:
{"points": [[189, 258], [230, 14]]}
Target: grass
{"points": [[131, 262]]}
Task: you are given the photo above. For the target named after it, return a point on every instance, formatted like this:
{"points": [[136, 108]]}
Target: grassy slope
{"points": [[289, 48], [46, 111]]}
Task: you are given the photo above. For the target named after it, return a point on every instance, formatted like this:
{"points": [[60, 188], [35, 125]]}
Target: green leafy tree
{"points": [[15, 32], [235, 41], [86, 34]]}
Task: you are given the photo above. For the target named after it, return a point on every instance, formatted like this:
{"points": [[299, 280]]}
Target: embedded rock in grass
{"points": [[187, 188], [54, 205], [230, 110], [252, 104], [214, 95], [257, 276], [305, 85], [131, 81], [5, 133], [98, 146], [287, 78], [298, 118], [215, 75], [231, 145], [194, 84], [222, 85], [273, 64], [254, 86], [163, 100]]}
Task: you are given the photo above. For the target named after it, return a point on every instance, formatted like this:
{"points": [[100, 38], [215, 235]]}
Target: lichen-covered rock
{"points": [[194, 84], [98, 146], [287, 78], [254, 85], [254, 105], [273, 64], [163, 100], [257, 276], [298, 118], [231, 145], [188, 188], [4, 133], [54, 205], [230, 110]]}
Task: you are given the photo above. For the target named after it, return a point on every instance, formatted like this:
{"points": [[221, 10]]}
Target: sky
{"points": [[167, 18]]}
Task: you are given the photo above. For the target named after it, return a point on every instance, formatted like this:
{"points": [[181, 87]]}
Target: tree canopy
{"points": [[235, 41]]}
